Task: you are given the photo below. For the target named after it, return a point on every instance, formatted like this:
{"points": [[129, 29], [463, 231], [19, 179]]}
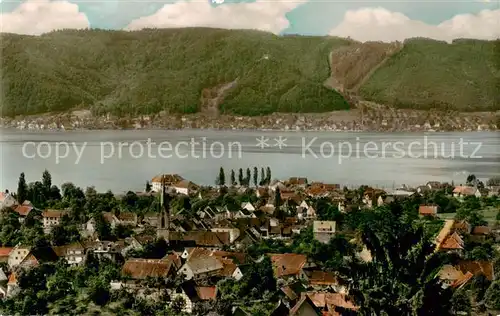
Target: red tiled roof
{"points": [[53, 213], [465, 190], [288, 263], [5, 251], [206, 292], [477, 267], [12, 278], [319, 277], [142, 268], [322, 300], [463, 279], [23, 210], [427, 210], [202, 238], [481, 230], [239, 256], [452, 242], [169, 178], [127, 216]]}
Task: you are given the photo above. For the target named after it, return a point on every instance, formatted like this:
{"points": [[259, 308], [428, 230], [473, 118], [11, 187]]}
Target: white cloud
{"points": [[35, 17], [379, 24], [261, 15]]}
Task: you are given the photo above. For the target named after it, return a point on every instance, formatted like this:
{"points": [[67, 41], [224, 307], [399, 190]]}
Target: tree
{"points": [[241, 180], [492, 182], [492, 296], [221, 178], [248, 177], [22, 189], [401, 278], [461, 303], [268, 175], [148, 187], [177, 305], [255, 176], [262, 176], [233, 178], [47, 181], [471, 180]]}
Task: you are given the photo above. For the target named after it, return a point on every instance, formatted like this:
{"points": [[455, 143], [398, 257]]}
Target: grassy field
{"points": [[490, 215], [150, 71]]}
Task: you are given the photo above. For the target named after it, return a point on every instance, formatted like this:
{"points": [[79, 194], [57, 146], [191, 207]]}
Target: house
{"points": [[150, 219], [200, 238], [288, 265], [296, 181], [333, 303], [104, 249], [110, 218], [233, 232], [428, 210], [277, 184], [127, 218], [5, 253], [463, 191], [292, 293], [51, 218], [184, 187], [248, 206], [481, 230], [170, 179], [479, 233], [73, 253], [452, 242], [323, 230], [262, 192], [191, 293], [460, 274], [7, 200], [12, 285], [16, 255], [207, 212], [22, 210], [200, 266], [305, 307], [434, 185], [318, 279], [38, 256], [140, 269], [244, 213]]}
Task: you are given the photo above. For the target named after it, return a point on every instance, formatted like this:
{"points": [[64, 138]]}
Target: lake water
{"points": [[125, 160]]}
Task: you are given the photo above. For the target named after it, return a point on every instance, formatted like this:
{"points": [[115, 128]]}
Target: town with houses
{"points": [[271, 247]]}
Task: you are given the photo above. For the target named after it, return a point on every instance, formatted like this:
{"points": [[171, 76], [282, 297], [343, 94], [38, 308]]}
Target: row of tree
{"points": [[244, 180]]}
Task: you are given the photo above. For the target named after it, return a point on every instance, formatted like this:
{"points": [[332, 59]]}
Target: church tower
{"points": [[164, 217]]}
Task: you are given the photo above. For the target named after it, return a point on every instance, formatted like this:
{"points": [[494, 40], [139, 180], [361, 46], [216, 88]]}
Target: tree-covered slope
{"points": [[186, 70], [154, 70], [427, 74]]}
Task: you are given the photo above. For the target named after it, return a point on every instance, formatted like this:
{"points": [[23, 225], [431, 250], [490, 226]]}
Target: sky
{"points": [[360, 20]]}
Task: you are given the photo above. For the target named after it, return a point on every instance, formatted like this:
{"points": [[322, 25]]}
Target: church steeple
{"points": [[164, 220]]}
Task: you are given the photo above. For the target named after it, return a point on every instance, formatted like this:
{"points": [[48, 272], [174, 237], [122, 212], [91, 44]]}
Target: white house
{"points": [[462, 191], [324, 230], [17, 255], [73, 253], [201, 266], [51, 218], [7, 200], [248, 206], [170, 179]]}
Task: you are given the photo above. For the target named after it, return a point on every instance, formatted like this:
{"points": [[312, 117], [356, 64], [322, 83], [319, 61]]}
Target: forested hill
{"points": [[236, 72]]}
